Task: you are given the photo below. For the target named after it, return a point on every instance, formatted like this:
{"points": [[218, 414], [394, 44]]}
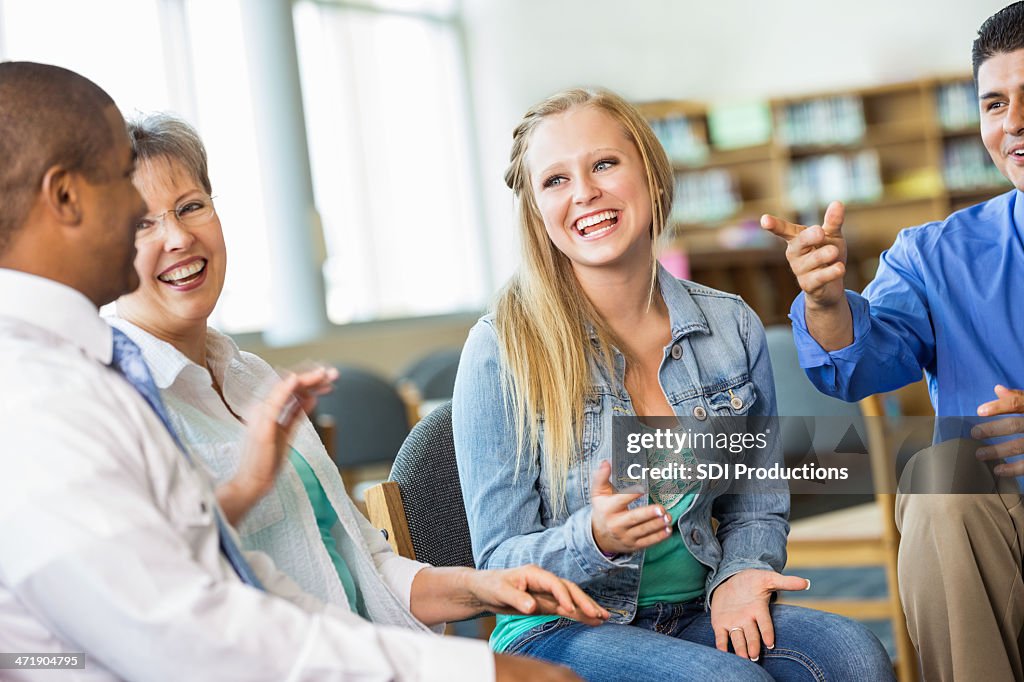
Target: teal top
{"points": [[669, 573], [326, 518]]}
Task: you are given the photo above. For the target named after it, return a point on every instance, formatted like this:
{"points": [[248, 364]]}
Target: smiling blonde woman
{"points": [[591, 326]]}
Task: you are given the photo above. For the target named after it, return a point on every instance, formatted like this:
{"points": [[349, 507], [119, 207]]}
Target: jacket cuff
{"points": [[398, 573], [585, 551], [727, 570]]}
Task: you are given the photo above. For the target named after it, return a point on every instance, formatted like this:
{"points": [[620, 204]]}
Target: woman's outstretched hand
{"points": [[739, 610], [618, 529], [440, 594], [532, 590], [271, 426]]}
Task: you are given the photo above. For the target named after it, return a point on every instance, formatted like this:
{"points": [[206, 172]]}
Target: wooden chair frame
{"points": [[811, 545]]}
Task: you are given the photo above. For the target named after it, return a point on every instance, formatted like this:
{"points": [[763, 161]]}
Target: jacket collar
{"points": [[685, 316]]}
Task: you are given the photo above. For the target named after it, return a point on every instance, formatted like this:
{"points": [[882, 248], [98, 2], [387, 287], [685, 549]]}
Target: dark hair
{"points": [[49, 116], [1002, 32], [156, 136]]}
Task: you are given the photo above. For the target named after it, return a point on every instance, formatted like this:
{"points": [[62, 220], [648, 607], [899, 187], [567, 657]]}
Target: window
{"points": [[388, 132], [220, 88], [91, 39], [147, 66], [387, 120]]}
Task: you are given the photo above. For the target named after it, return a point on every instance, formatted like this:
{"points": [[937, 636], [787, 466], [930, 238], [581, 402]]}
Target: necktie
{"points": [[129, 363]]}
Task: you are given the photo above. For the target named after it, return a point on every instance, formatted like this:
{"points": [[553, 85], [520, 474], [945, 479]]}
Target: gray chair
{"points": [[420, 507], [851, 537], [800, 401], [433, 375], [429, 381], [369, 417]]}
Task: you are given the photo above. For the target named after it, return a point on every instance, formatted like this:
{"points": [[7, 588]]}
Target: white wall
{"points": [[712, 50]]}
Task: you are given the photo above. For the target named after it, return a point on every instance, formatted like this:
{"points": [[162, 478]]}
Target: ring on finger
{"points": [[732, 630]]}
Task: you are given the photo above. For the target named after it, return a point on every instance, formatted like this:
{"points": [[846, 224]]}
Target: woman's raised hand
{"points": [[618, 529], [271, 425]]}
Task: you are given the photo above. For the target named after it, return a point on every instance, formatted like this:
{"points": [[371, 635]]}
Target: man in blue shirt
{"points": [[949, 299]]}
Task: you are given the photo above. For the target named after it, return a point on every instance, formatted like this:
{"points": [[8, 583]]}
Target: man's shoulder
{"points": [[43, 372]]}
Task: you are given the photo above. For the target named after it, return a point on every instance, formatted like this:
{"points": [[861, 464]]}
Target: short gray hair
{"points": [[165, 136]]}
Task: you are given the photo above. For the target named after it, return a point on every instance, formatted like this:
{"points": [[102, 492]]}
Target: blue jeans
{"points": [[675, 642]]}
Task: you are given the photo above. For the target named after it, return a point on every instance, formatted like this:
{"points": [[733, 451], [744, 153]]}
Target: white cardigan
{"points": [[282, 524]]}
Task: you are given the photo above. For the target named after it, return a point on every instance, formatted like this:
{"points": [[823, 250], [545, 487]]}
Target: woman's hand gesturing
{"points": [[618, 529]]}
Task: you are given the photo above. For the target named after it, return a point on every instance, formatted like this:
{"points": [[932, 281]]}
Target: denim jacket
{"points": [[717, 354]]}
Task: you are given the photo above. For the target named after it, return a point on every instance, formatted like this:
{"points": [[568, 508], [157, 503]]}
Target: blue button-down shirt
{"points": [[948, 298]]}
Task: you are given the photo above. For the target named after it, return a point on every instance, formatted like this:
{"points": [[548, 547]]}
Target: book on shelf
{"points": [[705, 196], [824, 121], [744, 124], [957, 105], [682, 138], [852, 177], [967, 165]]}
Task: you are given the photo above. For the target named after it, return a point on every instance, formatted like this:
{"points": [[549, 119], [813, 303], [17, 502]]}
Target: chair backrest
{"points": [[433, 375], [369, 416], [798, 397], [428, 479]]}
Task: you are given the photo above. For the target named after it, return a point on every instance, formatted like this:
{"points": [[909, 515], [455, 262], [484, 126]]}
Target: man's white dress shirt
{"points": [[108, 543]]}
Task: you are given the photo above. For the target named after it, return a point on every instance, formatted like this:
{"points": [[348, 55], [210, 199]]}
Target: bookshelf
{"points": [[898, 155]]}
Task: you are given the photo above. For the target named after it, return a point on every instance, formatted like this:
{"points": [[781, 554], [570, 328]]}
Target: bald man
{"points": [[111, 541]]}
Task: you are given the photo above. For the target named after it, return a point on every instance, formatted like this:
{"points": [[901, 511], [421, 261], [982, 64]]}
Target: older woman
{"points": [[590, 327], [296, 510]]}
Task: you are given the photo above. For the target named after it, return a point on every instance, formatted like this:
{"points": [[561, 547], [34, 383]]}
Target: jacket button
{"points": [[677, 352], [736, 402], [695, 536], [700, 413]]}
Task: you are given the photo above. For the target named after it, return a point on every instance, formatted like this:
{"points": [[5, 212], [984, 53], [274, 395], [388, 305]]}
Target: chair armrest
{"points": [[385, 511]]}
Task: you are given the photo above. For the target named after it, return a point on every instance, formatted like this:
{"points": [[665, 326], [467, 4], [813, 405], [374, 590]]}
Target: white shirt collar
{"points": [[58, 309], [167, 363]]}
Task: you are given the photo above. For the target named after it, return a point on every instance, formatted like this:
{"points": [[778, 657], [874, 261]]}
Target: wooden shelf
{"points": [[883, 203], [729, 157], [749, 210], [971, 131], [881, 138], [978, 192]]}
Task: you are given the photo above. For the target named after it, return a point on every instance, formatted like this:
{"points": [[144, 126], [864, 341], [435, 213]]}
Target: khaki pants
{"points": [[960, 578]]}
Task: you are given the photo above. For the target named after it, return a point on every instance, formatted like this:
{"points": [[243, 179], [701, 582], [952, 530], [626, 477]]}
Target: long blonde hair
{"points": [[542, 317]]}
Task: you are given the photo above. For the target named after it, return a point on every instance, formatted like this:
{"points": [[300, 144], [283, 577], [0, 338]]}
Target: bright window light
{"points": [[388, 133], [386, 117], [224, 117]]}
